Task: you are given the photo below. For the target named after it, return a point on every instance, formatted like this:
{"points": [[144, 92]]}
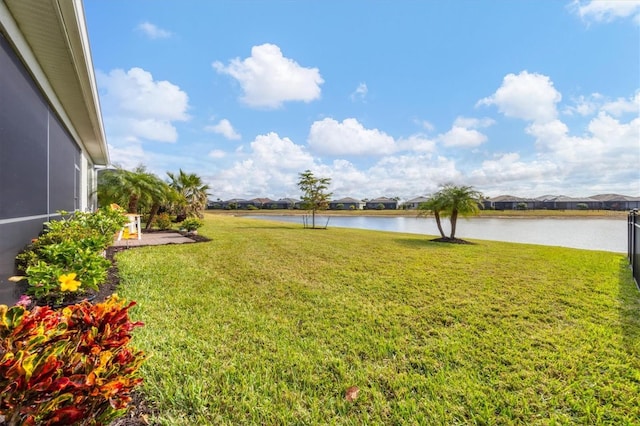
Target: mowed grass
{"points": [[270, 324]]}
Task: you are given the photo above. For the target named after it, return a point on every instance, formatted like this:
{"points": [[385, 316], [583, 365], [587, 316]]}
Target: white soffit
{"points": [[56, 34]]}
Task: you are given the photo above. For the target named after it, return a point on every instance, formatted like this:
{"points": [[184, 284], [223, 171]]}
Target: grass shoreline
{"points": [[269, 323], [506, 214]]}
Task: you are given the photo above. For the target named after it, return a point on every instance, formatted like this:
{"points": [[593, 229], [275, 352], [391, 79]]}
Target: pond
{"points": [[583, 233]]}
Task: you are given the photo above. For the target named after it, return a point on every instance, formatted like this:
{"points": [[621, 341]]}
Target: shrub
{"points": [[251, 207], [107, 221], [67, 366], [69, 246], [352, 207], [582, 206], [56, 260], [380, 206], [339, 206], [162, 221], [192, 224], [521, 206]]}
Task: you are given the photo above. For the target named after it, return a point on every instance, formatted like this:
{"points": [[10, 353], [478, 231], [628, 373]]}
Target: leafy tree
{"points": [[315, 195], [193, 194], [453, 201], [135, 189]]}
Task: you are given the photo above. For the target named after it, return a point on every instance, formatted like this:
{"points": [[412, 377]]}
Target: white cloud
{"points": [[268, 79], [424, 124], [462, 137], [416, 143], [152, 129], [530, 97], [406, 176], [135, 94], [473, 123], [606, 10], [126, 153], [621, 106], [331, 137], [463, 133], [609, 148], [584, 105], [136, 108], [360, 93], [153, 31], [217, 153], [271, 165], [225, 129], [508, 168]]}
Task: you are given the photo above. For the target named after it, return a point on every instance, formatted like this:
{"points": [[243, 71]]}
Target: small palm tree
{"points": [[193, 193], [435, 205], [459, 201], [133, 189], [451, 201]]}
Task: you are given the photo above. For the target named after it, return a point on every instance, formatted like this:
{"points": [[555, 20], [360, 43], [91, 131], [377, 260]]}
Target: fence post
{"points": [[634, 242]]}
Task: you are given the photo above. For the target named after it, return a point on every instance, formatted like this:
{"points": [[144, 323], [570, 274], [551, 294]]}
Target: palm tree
{"points": [[161, 195], [459, 201], [193, 193], [135, 188], [434, 204]]}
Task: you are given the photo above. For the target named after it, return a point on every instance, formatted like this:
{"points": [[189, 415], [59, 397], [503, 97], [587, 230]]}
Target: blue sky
{"points": [[386, 98]]}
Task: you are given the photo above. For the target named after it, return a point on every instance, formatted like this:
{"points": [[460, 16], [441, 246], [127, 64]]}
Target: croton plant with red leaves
{"points": [[62, 367]]}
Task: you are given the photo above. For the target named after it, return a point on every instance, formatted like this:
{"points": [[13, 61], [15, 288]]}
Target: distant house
{"points": [[346, 203], [263, 203], [562, 202], [617, 202], [212, 205], [287, 203], [414, 203], [52, 139], [235, 204], [381, 203], [509, 202]]}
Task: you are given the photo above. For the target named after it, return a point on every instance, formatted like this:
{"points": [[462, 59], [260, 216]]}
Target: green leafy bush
{"points": [[162, 221], [107, 221], [380, 206], [68, 366], [72, 245], [251, 207], [191, 224]]}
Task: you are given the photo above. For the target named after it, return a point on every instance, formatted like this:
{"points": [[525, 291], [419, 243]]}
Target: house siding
{"points": [[40, 164]]}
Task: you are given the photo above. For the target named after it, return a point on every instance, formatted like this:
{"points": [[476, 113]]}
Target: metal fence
{"points": [[634, 244]]}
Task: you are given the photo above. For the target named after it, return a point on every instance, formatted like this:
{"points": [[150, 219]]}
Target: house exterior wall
{"points": [[42, 168]]}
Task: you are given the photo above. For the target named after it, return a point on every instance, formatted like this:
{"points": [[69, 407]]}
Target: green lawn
{"points": [[270, 323]]}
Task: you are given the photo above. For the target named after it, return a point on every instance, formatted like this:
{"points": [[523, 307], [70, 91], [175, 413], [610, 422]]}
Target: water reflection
{"points": [[584, 233]]}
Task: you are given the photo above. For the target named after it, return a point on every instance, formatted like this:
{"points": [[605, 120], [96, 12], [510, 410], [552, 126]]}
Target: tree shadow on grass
{"points": [[430, 243]]}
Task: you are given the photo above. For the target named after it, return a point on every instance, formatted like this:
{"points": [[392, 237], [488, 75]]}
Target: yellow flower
{"points": [[68, 282]]}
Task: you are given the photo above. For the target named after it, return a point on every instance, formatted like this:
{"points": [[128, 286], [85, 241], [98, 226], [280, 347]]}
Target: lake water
{"points": [[583, 233]]}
